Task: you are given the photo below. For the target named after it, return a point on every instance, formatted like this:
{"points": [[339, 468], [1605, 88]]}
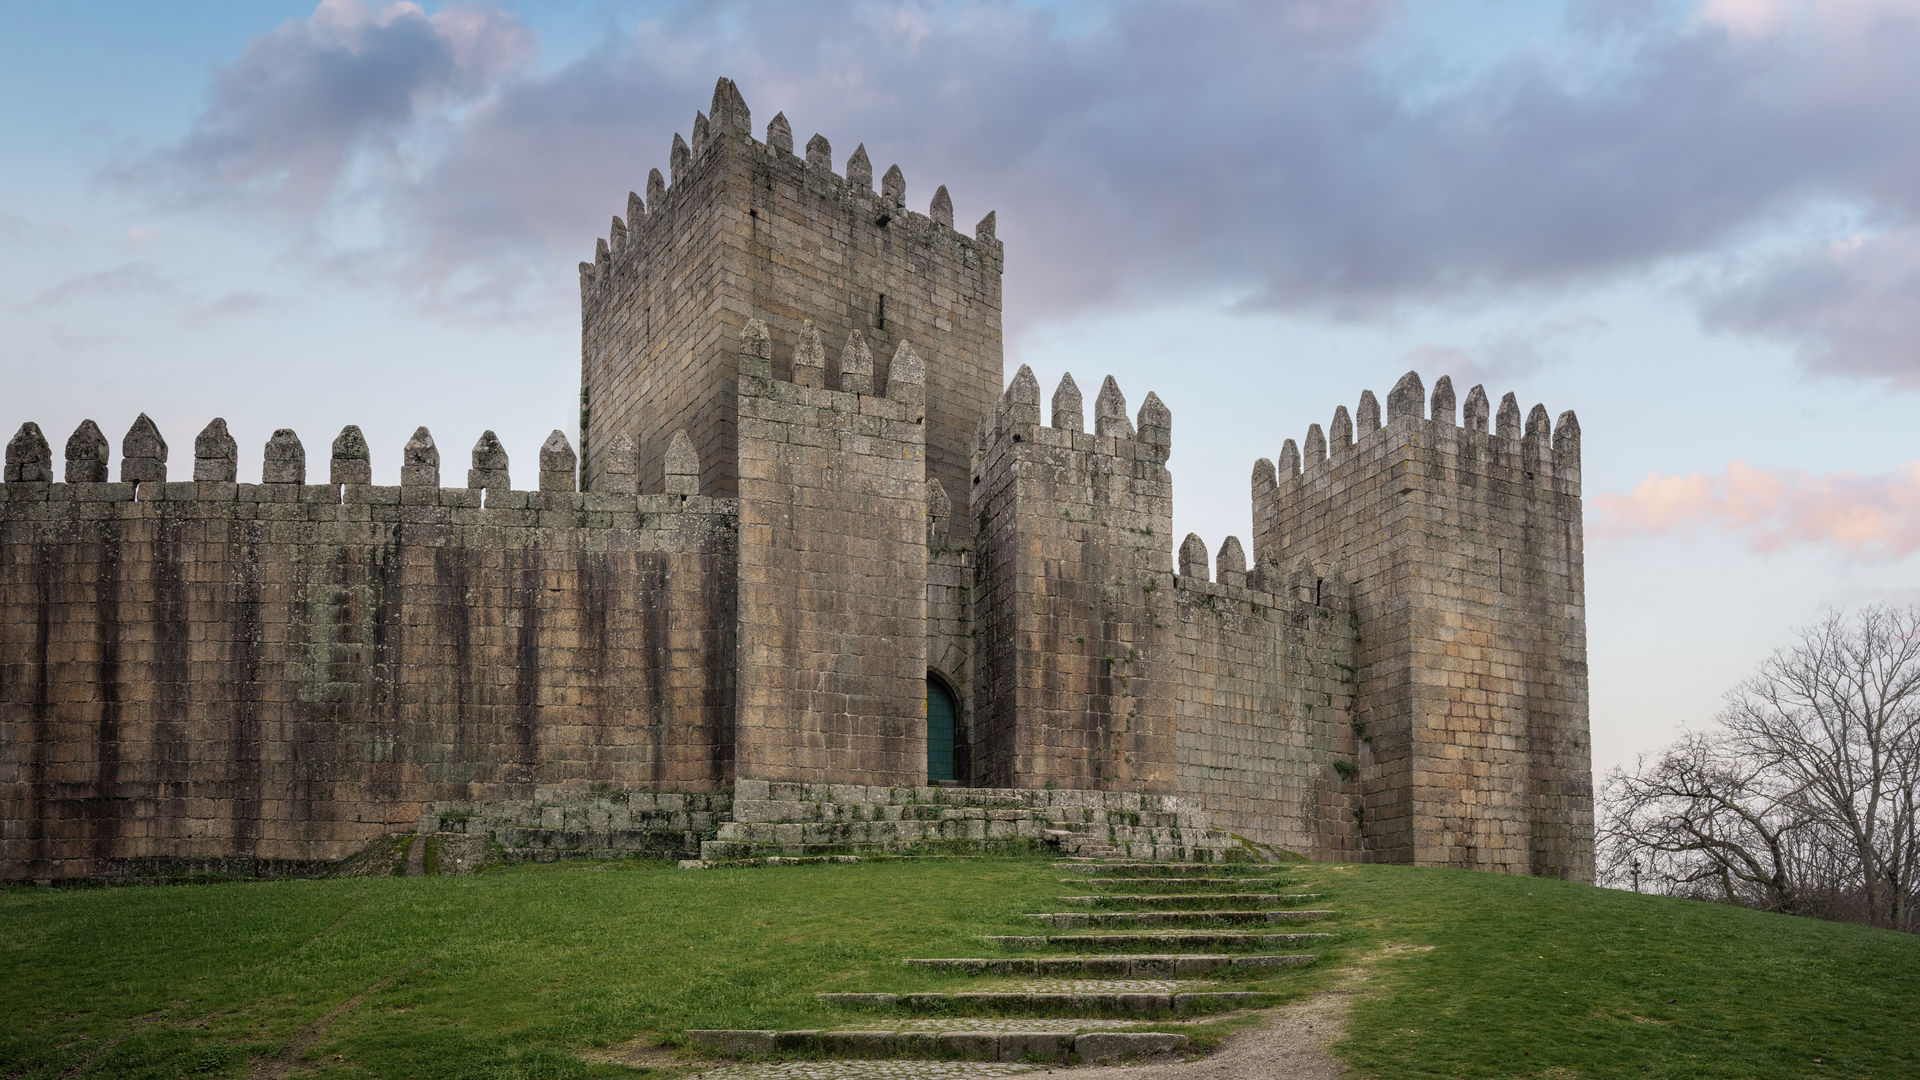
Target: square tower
{"points": [[748, 229]]}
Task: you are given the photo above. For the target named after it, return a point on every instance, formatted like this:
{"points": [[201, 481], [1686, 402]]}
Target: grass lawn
{"points": [[513, 973]]}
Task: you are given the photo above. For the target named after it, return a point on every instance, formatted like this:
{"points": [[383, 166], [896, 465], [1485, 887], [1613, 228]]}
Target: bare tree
{"points": [[1807, 795]]}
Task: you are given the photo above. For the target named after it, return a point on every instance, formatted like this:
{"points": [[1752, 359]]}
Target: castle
{"points": [[814, 582]]}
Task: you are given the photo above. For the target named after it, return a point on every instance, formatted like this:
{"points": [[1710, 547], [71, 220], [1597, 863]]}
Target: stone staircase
{"points": [[780, 822], [1050, 999]]}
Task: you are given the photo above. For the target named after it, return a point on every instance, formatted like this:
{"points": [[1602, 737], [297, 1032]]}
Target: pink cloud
{"points": [[1873, 517]]}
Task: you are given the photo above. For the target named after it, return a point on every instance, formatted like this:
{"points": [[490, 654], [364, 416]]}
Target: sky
{"points": [[1696, 223]]}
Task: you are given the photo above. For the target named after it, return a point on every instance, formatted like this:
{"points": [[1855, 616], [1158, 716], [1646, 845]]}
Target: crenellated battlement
{"points": [[621, 249], [285, 478]]}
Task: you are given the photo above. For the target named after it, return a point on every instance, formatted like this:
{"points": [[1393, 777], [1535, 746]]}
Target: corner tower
{"points": [[744, 229]]}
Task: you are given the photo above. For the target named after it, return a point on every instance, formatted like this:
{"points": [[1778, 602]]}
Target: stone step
{"points": [[1194, 883], [1114, 965], [1154, 869], [1056, 1046], [1067, 920], [1176, 939], [1186, 901], [881, 1069], [1002, 1002]]}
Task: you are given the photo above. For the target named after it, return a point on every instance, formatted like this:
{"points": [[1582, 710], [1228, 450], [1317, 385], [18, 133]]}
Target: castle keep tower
{"points": [[745, 229]]}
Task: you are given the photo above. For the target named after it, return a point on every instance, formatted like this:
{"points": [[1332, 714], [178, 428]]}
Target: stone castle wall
{"points": [[833, 575], [206, 671], [749, 229], [1463, 550]]}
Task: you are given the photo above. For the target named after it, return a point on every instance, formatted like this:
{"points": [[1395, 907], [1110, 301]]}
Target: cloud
{"points": [[1281, 151], [1868, 517], [1847, 307], [1506, 356], [123, 280], [287, 121]]}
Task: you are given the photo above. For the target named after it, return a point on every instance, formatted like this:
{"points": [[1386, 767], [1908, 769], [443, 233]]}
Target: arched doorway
{"points": [[943, 711]]}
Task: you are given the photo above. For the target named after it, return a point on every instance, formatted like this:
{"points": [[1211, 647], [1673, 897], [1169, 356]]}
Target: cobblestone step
{"points": [[1187, 939], [1187, 901], [1118, 964], [1028, 1045], [1002, 1002], [1067, 920], [895, 1069]]}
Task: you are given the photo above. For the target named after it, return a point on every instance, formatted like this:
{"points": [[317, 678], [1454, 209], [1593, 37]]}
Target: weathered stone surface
{"points": [[489, 471], [351, 462], [285, 460], [143, 453], [558, 464], [1068, 414], [420, 461], [87, 452], [780, 133], [29, 458]]}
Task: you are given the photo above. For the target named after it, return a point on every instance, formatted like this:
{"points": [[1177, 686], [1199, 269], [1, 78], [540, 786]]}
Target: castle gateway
{"points": [[814, 582]]}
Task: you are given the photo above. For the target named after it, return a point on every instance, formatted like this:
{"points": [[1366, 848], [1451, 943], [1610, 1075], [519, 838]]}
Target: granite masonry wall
{"points": [[196, 671], [749, 229], [1071, 526], [833, 574], [1463, 548]]}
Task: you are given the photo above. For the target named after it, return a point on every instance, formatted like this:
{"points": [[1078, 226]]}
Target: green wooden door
{"points": [[941, 709]]}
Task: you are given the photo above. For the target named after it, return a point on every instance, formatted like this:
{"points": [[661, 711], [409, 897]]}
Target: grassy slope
{"points": [[510, 973]]}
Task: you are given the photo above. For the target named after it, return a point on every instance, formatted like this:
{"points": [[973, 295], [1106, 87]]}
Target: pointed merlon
{"points": [[1193, 557], [780, 133], [1110, 412], [87, 451], [677, 160], [559, 465], [1539, 426], [1340, 438], [489, 471], [619, 467], [907, 376], [984, 230], [1020, 405], [856, 365], [1408, 399], [656, 189], [941, 210], [893, 186], [352, 461], [588, 275], [1304, 581], [1069, 412], [602, 257], [420, 461], [1156, 426], [1314, 454], [636, 209], [860, 169], [1442, 407], [617, 235], [285, 461], [216, 456], [1230, 566], [682, 465], [1265, 481], [143, 453], [729, 109], [810, 357], [1476, 409], [1288, 466], [756, 350], [820, 153], [1366, 418], [699, 142], [1506, 422], [1566, 439], [29, 458]]}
